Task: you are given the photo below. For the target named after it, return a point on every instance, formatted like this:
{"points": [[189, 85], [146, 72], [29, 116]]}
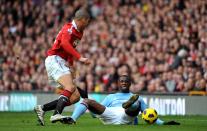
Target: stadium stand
{"points": [[162, 44]]}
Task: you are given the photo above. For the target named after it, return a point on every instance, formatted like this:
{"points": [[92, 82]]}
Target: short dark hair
{"points": [[82, 13]]}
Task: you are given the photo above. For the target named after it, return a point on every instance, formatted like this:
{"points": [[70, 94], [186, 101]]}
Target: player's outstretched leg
{"points": [[78, 112], [62, 102], [40, 110], [64, 99], [40, 114], [75, 97], [131, 101], [81, 108]]}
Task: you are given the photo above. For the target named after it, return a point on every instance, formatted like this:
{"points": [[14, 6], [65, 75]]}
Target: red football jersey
{"points": [[66, 41]]}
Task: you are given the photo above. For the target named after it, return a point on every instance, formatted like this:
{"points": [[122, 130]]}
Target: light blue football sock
{"points": [[159, 122], [79, 110]]}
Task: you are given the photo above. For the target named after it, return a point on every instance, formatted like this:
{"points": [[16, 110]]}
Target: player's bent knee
{"points": [[67, 82], [74, 99], [70, 88], [77, 99]]}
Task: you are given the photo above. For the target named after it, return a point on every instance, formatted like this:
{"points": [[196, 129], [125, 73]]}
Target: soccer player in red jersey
{"points": [[59, 63]]}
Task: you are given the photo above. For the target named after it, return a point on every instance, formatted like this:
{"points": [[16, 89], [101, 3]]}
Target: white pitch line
{"points": [[191, 119]]}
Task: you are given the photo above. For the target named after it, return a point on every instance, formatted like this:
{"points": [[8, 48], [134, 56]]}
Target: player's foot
{"points": [[57, 117], [68, 120], [131, 101], [40, 114]]}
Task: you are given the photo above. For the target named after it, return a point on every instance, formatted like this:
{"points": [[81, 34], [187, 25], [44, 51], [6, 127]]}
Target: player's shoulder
{"points": [[111, 95], [118, 94], [71, 29], [68, 27]]}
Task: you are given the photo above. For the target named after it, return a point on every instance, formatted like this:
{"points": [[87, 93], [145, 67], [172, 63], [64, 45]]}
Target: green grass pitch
{"points": [[26, 121]]}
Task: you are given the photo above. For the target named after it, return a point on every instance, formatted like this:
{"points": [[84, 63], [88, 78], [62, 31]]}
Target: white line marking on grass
{"points": [[190, 119]]}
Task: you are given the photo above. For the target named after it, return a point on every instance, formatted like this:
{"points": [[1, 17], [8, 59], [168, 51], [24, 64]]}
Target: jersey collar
{"points": [[75, 26]]}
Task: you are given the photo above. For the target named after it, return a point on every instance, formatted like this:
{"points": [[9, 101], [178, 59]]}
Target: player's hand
{"points": [[171, 123], [84, 60]]}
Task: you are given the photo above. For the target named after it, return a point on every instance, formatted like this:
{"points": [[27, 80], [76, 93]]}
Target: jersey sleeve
{"points": [[107, 101], [67, 46]]}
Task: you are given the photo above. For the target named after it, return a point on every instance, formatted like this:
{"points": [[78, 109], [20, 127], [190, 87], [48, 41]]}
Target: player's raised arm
{"points": [[70, 49]]}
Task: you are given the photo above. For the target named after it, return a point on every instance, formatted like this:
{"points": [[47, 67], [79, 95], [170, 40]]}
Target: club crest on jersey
{"points": [[70, 30]]}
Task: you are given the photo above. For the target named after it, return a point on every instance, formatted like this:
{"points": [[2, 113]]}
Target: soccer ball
{"points": [[150, 115]]}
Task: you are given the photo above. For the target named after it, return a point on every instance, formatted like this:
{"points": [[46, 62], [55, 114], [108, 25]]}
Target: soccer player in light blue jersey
{"points": [[119, 108]]}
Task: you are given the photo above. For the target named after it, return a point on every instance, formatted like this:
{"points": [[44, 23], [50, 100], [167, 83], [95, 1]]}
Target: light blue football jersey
{"points": [[116, 100]]}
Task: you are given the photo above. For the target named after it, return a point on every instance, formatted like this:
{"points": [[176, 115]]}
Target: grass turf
{"points": [[26, 121]]}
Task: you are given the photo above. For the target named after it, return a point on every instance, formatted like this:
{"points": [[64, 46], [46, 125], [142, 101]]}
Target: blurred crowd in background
{"points": [[161, 44]]}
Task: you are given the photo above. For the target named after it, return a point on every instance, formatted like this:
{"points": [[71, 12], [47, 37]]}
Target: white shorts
{"points": [[116, 116], [56, 67]]}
